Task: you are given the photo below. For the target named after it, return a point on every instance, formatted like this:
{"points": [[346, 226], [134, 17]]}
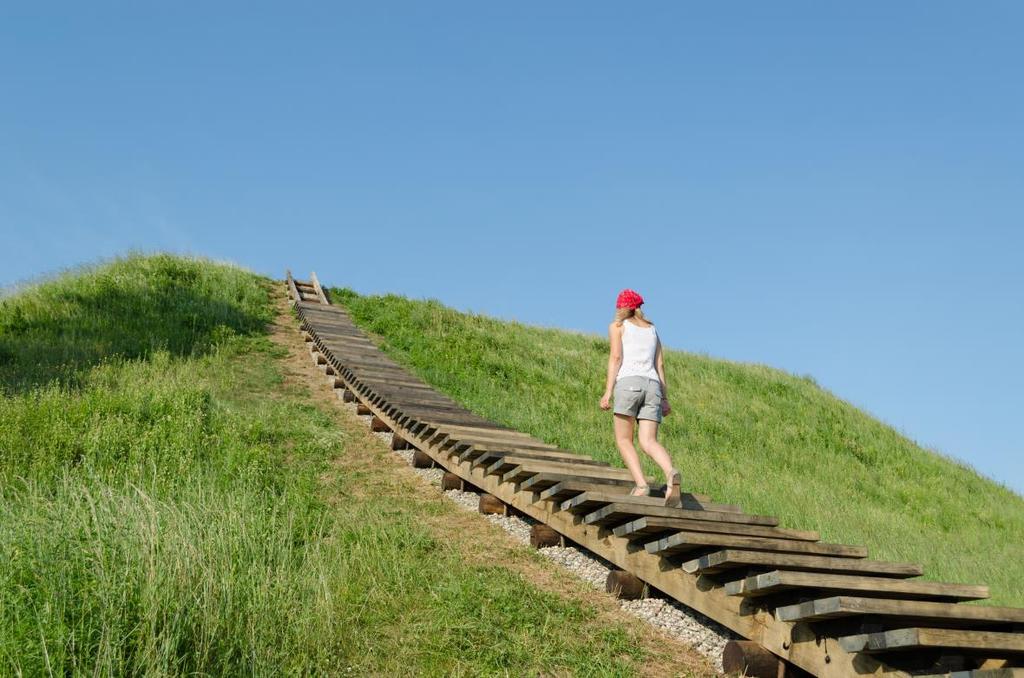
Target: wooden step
{"points": [[778, 581], [732, 559], [588, 502], [569, 488], [649, 527], [685, 542], [990, 642], [836, 607], [544, 480], [500, 461], [529, 468], [618, 513]]}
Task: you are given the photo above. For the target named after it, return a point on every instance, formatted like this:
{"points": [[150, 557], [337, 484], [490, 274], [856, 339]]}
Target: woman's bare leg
{"points": [[649, 444], [624, 440]]}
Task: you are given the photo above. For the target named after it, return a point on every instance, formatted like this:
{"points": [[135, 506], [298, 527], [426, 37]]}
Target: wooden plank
{"points": [[732, 559], [499, 461], [924, 638], [588, 502], [469, 451], [319, 289], [529, 468], [497, 439], [620, 512], [647, 527], [685, 542], [769, 583], [293, 288], [569, 488], [544, 480], [836, 607]]}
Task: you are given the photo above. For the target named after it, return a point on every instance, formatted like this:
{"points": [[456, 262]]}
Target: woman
{"points": [[636, 376]]}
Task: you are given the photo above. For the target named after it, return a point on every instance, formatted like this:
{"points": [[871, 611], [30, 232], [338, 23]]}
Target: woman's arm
{"points": [[614, 362], [659, 363]]}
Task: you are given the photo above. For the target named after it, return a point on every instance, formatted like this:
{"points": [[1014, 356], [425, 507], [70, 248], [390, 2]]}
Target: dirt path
{"points": [[477, 540]]}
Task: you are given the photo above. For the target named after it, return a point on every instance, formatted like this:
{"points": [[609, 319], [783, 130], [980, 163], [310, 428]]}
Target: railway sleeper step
{"points": [[888, 611], [685, 542], [989, 643], [612, 515], [588, 502], [570, 488], [728, 561], [648, 528], [784, 581]]}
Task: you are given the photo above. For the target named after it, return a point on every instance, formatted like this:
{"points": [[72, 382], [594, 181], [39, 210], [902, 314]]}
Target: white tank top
{"points": [[639, 348]]}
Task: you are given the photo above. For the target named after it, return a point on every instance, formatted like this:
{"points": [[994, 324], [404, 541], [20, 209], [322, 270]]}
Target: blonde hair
{"points": [[622, 313]]}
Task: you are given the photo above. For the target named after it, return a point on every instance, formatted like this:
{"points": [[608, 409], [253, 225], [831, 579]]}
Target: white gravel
{"points": [[671, 617]]}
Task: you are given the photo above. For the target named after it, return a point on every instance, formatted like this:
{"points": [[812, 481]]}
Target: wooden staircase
{"points": [[824, 608]]}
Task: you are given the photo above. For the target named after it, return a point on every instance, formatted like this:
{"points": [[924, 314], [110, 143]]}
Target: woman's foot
{"points": [[673, 492], [640, 491]]}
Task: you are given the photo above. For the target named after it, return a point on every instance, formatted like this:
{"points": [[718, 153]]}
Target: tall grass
{"points": [[166, 508], [773, 442]]}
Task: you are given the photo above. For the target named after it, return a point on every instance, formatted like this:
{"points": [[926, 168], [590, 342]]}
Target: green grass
{"points": [[165, 507], [748, 434]]}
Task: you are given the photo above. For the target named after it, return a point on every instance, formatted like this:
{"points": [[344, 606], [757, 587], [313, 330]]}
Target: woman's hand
{"points": [[606, 401], [665, 407]]}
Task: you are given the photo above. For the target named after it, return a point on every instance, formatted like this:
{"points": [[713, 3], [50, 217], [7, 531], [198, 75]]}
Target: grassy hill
{"points": [[169, 505], [748, 434]]}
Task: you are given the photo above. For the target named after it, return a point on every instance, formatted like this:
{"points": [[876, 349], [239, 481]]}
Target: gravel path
{"points": [[673, 618]]}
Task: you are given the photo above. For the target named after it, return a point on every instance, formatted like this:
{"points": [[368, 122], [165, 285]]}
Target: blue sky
{"points": [[834, 189]]}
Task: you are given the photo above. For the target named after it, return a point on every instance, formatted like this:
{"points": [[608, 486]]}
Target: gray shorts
{"points": [[638, 397]]}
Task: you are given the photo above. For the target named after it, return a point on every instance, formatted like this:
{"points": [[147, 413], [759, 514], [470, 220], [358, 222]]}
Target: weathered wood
{"points": [[293, 290], [570, 488], [377, 425], [363, 409], [746, 658], [646, 528], [489, 504], [836, 607], [922, 638], [625, 585], [421, 459], [622, 512], [319, 358], [451, 481], [399, 443], [514, 457], [501, 463], [307, 337], [348, 396], [769, 583], [319, 289], [542, 536], [542, 481], [588, 502], [529, 468], [684, 542], [731, 559]]}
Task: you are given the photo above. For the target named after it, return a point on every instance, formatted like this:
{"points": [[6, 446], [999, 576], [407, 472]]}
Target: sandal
{"points": [[644, 491], [673, 492]]}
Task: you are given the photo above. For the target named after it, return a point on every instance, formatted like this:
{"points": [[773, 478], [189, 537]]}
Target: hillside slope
{"points": [[174, 502], [747, 434]]}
